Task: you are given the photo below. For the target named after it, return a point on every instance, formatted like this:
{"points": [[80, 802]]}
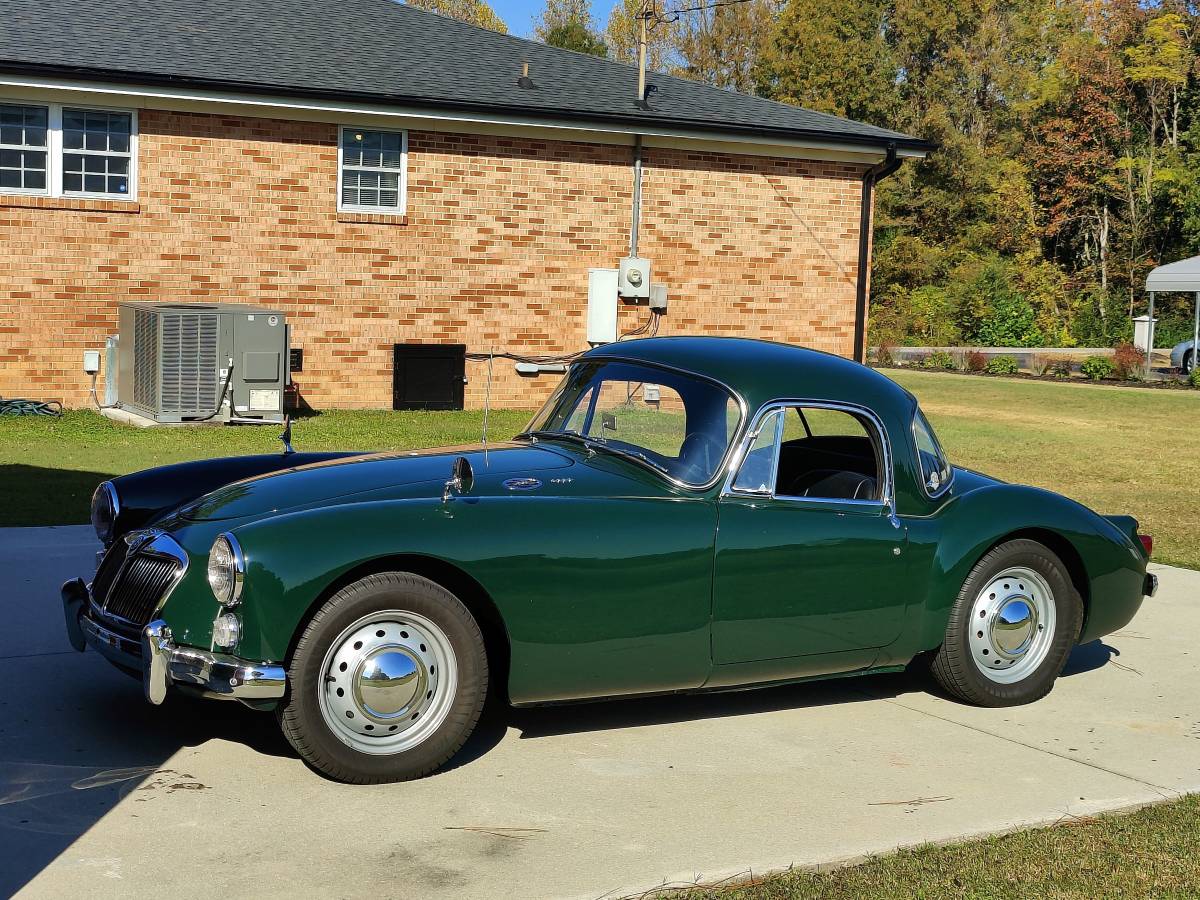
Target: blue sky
{"points": [[518, 14]]}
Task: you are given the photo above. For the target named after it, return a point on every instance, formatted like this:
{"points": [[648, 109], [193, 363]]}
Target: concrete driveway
{"points": [[102, 795]]}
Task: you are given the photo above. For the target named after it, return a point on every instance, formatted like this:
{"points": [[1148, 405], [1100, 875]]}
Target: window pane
{"points": [[11, 159], [23, 125], [827, 454], [72, 140], [759, 466], [72, 182], [10, 178], [94, 164], [118, 165], [118, 143], [935, 470], [72, 162], [95, 140], [118, 184], [35, 180]]}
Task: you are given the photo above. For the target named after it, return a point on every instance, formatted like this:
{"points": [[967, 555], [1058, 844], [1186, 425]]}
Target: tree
{"points": [[476, 12], [568, 24], [722, 45], [574, 36], [831, 57], [624, 25]]}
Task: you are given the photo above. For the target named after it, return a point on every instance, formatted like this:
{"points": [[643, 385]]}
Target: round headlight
{"points": [[104, 510], [226, 569]]}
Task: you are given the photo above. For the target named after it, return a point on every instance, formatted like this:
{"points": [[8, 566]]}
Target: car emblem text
{"points": [[522, 484]]}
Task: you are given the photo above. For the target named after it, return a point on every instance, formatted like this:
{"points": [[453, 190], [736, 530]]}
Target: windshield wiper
{"points": [[594, 442]]}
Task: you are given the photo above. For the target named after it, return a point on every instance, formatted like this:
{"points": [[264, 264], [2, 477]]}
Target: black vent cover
{"points": [[428, 376]]}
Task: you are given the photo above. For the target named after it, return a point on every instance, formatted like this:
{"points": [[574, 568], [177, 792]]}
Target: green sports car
{"points": [[684, 514]]}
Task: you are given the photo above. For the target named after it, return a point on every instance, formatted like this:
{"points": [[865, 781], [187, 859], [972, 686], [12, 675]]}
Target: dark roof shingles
{"points": [[376, 49]]}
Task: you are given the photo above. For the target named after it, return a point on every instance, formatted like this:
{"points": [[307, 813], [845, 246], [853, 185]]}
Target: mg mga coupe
{"points": [[684, 514]]}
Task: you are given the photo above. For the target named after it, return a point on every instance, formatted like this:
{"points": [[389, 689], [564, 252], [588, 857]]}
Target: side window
{"points": [[758, 468], [828, 454], [935, 470]]}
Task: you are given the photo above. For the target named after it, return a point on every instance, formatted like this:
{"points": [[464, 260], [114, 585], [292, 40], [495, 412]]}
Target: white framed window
{"points": [[57, 150], [372, 170]]}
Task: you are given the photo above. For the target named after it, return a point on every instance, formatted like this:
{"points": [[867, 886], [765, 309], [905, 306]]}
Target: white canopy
{"points": [[1177, 276]]}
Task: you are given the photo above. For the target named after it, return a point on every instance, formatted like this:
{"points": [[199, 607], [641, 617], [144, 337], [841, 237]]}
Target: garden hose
{"points": [[20, 406]]}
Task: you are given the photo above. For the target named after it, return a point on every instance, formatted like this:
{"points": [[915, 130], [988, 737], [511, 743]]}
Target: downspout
{"points": [[871, 177], [636, 212]]}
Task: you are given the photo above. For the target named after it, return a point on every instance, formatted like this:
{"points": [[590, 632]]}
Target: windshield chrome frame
{"points": [[887, 498], [735, 438]]}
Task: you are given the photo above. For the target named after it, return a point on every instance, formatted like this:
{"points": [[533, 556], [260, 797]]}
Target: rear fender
{"points": [[1108, 568]]}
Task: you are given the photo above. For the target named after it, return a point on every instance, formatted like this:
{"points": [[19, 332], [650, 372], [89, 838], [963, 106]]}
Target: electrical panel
{"points": [[602, 306], [633, 278]]}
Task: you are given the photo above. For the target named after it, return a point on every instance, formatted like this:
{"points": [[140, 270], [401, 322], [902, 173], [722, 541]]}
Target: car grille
{"points": [[133, 593], [107, 573]]}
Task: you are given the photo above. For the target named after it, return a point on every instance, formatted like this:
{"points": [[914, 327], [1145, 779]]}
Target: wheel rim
{"points": [[1012, 625], [387, 682]]}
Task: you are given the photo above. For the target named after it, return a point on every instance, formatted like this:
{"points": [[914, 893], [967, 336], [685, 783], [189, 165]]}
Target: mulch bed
{"points": [[1175, 384]]}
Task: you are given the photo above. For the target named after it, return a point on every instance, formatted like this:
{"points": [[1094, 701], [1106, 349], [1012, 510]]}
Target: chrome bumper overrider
{"points": [[163, 663], [1150, 586]]}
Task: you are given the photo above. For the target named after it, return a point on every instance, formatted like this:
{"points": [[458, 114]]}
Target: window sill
{"points": [[88, 204], [365, 218]]}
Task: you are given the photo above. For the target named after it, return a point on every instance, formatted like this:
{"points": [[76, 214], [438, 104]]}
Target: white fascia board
{"points": [[400, 116]]}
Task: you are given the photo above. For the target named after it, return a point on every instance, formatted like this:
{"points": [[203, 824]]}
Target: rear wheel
{"points": [[1011, 629], [387, 681]]}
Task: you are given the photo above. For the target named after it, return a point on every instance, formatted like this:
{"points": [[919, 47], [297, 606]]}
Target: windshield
{"points": [[679, 424]]}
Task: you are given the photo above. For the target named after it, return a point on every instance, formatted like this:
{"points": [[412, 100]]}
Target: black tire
{"points": [[300, 715], [1188, 357], [955, 667]]}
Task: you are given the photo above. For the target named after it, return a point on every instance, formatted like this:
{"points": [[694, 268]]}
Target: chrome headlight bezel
{"points": [[226, 569], [105, 509]]}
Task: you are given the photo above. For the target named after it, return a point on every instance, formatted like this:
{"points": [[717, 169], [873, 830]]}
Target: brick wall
{"points": [[493, 252]]}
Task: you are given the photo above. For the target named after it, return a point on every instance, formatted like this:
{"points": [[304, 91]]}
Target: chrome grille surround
{"points": [[137, 576]]}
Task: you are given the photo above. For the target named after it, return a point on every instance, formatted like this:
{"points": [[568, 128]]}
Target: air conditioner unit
{"points": [[174, 360]]}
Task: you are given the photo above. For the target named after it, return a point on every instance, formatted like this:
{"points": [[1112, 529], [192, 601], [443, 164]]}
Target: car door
{"points": [[810, 566]]}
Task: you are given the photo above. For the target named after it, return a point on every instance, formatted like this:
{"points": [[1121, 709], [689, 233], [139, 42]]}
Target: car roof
{"points": [[761, 371]]}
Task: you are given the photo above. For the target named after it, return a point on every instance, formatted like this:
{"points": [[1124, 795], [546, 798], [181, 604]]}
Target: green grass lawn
{"points": [[1154, 852], [1117, 450]]}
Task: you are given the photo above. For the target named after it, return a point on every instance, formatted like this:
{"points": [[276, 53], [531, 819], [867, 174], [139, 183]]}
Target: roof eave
{"points": [[572, 117]]}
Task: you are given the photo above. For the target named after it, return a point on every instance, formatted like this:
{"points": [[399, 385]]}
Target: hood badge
{"points": [[522, 484]]}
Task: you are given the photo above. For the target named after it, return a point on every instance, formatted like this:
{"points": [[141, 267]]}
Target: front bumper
{"points": [[163, 663]]}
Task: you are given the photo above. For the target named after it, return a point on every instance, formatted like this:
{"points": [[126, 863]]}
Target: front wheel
{"points": [[386, 682], [1011, 629]]}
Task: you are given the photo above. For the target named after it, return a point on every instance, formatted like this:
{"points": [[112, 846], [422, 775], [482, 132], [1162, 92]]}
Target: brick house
{"points": [[385, 175]]}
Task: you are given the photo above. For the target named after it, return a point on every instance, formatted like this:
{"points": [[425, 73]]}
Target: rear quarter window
{"points": [[935, 470]]}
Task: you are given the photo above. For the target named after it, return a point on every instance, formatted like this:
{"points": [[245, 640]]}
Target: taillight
{"points": [[1147, 543]]}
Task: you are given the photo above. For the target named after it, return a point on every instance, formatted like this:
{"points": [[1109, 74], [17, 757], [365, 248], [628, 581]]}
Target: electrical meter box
{"points": [[633, 278], [180, 362]]}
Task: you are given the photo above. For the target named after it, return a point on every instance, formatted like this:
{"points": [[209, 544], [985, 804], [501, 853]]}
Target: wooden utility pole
{"points": [[643, 28]]}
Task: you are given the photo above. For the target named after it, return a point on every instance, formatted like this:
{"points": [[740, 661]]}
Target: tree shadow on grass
{"points": [[37, 495]]}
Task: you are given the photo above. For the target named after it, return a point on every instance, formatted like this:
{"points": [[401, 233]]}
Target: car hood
{"points": [[374, 476]]}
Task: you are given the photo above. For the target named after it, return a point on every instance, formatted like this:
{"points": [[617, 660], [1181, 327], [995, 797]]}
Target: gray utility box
{"points": [[174, 359]]}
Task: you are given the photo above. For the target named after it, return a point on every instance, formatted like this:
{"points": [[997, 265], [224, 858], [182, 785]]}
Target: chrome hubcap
{"points": [[388, 682], [1012, 625]]}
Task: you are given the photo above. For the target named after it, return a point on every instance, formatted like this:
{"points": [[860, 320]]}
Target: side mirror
{"points": [[608, 421], [462, 478]]}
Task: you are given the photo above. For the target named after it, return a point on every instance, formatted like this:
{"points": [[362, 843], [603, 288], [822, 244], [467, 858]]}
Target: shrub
{"points": [[1060, 368], [1128, 361], [1040, 364], [883, 353], [939, 359], [1002, 365], [1097, 367], [1194, 378], [975, 361]]}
